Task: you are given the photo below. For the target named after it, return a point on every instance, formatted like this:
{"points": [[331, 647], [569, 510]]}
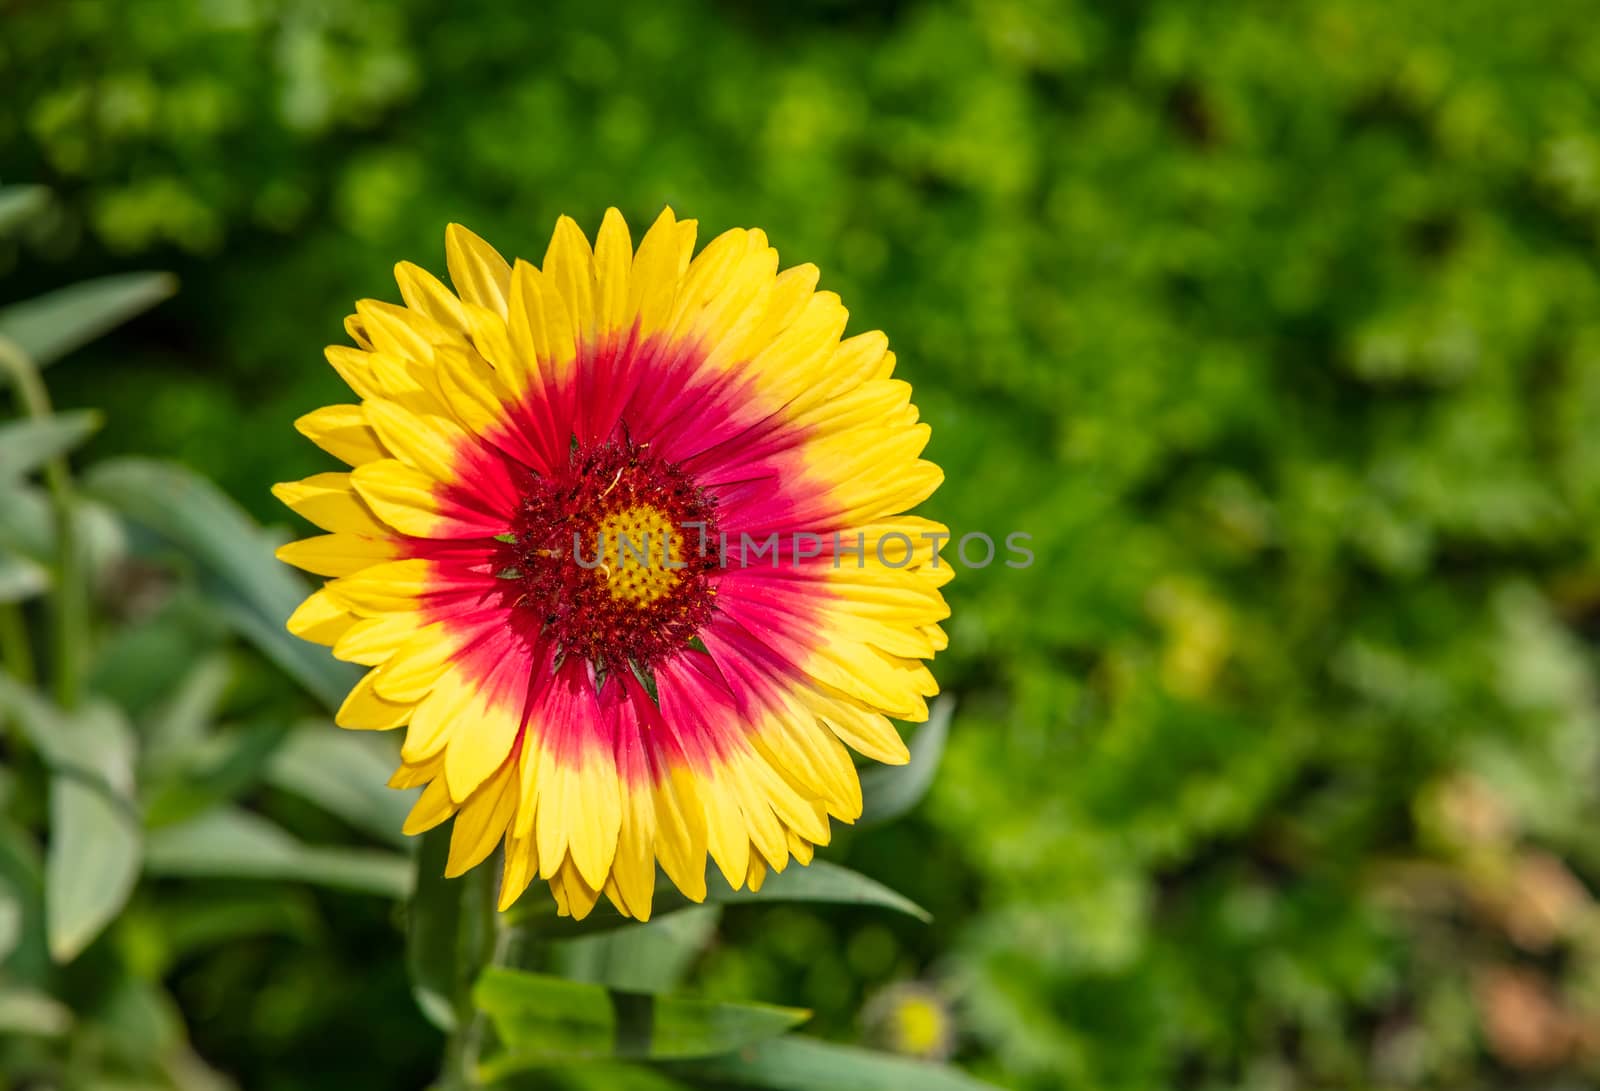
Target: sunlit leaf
{"points": [[21, 577], [542, 1020], [235, 844], [19, 203], [345, 773], [795, 1063], [889, 791], [50, 326], [818, 882], [253, 590], [27, 444], [449, 931], [32, 1013]]}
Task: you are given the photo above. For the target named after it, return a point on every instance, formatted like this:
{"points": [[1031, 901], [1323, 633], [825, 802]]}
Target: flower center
{"points": [[605, 555], [642, 553]]}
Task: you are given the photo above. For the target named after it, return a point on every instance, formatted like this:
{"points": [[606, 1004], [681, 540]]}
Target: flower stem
{"points": [[16, 652], [496, 943], [70, 600]]}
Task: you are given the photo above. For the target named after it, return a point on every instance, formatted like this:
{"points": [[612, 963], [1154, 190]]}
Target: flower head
{"points": [[623, 544]]}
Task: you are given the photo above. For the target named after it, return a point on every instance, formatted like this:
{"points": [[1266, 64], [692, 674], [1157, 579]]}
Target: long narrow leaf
{"points": [[544, 1020], [818, 882], [795, 1063], [233, 844], [346, 774], [25, 445], [255, 591], [50, 326], [889, 791], [650, 956], [19, 203]]}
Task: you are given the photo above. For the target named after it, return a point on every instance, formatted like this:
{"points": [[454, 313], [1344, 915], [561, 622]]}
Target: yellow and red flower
{"points": [[602, 708]]}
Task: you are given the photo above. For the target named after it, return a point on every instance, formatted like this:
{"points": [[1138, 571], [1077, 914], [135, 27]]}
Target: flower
{"points": [[622, 543], [912, 1018]]}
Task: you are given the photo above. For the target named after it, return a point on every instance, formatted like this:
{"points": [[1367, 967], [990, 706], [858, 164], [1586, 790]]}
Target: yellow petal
{"points": [[658, 270], [432, 807], [569, 268], [430, 444], [478, 271], [364, 710], [423, 292], [336, 554], [342, 431], [481, 823], [320, 619], [613, 255], [329, 501], [473, 754]]}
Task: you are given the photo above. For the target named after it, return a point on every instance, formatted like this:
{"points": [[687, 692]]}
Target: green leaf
{"points": [[93, 857], [254, 591], [218, 769], [144, 662], [818, 882], [27, 529], [22, 881], [233, 844], [21, 578], [795, 1063], [25, 445], [184, 720], [50, 326], [10, 918], [33, 1013], [18, 203], [544, 1020], [650, 956], [345, 773], [889, 791], [450, 926]]}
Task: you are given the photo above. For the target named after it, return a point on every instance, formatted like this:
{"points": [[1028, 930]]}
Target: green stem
{"points": [[495, 943], [16, 651], [70, 600]]}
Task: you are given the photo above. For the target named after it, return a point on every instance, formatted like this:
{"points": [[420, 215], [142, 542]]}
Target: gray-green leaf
{"points": [[233, 844], [254, 591], [25, 445], [93, 857], [345, 773], [48, 327]]}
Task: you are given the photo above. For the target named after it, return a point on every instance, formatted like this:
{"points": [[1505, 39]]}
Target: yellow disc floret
{"points": [[643, 552]]}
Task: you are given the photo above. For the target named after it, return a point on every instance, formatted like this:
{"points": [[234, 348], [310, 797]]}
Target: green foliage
{"points": [[1275, 326]]}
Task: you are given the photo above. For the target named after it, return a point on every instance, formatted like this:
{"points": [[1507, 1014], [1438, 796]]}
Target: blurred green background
{"points": [[1276, 325]]}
